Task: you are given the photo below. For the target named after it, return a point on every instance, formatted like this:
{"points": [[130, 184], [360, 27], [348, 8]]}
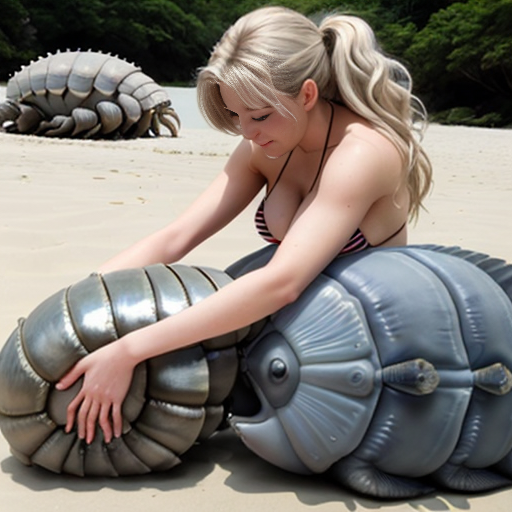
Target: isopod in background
{"points": [[86, 95], [174, 399]]}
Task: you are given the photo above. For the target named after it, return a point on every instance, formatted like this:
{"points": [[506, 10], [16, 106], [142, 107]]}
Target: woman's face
{"points": [[266, 127]]}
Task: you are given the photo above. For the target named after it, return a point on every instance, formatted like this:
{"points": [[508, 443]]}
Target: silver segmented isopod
{"points": [[391, 373], [174, 399], [86, 95]]}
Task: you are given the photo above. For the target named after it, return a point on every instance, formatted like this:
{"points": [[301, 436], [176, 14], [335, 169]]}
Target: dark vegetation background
{"points": [[458, 51]]}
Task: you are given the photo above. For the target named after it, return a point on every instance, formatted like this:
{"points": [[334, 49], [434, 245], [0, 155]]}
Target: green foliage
{"points": [[15, 36], [156, 34], [417, 12], [468, 116], [463, 57], [396, 38], [459, 51]]}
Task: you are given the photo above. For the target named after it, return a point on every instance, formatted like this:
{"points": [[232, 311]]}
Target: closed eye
{"points": [[258, 119]]}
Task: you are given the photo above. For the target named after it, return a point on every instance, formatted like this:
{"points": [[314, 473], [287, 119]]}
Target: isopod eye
{"points": [[278, 369], [273, 368]]}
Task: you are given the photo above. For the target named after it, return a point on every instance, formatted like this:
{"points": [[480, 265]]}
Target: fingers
{"points": [[71, 411], [90, 414], [117, 419], [99, 400], [104, 423], [87, 418], [70, 378]]}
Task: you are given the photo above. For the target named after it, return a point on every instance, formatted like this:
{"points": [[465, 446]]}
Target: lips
{"points": [[265, 144]]}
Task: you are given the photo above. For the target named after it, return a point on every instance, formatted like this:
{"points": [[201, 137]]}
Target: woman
{"points": [[327, 125]]}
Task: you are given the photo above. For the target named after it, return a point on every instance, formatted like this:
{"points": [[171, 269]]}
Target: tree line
{"points": [[458, 51]]}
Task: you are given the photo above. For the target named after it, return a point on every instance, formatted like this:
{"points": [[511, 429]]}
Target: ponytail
{"points": [[378, 88], [269, 53]]}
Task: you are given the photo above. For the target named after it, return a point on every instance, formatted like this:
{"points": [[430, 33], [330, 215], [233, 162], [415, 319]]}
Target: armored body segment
{"points": [[440, 324], [391, 373], [86, 95], [289, 367], [174, 399]]}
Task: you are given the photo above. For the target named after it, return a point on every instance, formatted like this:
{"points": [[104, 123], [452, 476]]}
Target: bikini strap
{"points": [[279, 175], [392, 236], [324, 151]]}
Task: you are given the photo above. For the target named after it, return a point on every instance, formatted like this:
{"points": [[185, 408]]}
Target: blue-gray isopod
{"points": [[391, 373]]}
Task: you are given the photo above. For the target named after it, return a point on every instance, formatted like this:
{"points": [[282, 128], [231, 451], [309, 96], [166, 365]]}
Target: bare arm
{"points": [[222, 201], [325, 221]]}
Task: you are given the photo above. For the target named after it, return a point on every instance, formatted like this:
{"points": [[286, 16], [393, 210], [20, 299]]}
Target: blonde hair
{"points": [[268, 54]]}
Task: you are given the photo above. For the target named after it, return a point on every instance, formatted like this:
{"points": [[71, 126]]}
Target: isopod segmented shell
{"points": [[88, 95], [174, 399], [392, 366], [354, 378]]}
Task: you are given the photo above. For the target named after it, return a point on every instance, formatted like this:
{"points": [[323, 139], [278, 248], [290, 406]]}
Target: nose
{"points": [[249, 129]]}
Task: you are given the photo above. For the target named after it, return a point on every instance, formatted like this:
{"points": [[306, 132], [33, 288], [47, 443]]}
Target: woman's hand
{"points": [[107, 376]]}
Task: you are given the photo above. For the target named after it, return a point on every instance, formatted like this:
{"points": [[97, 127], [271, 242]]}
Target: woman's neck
{"points": [[319, 119]]}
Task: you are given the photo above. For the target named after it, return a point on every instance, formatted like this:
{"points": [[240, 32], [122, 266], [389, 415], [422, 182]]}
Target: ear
{"points": [[309, 94]]}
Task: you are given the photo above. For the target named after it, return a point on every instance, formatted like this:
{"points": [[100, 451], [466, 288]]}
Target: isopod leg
{"points": [[363, 477], [463, 479]]}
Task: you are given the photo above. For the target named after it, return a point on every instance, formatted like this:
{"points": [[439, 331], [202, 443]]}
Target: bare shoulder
{"points": [[241, 160], [362, 137], [364, 154]]}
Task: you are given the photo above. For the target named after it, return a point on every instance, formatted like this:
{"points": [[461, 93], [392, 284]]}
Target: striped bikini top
{"points": [[357, 241]]}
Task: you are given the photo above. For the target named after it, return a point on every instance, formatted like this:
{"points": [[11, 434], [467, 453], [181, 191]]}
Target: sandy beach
{"points": [[66, 206]]}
